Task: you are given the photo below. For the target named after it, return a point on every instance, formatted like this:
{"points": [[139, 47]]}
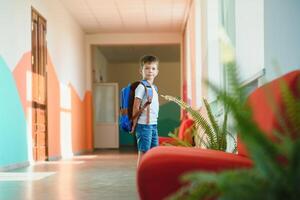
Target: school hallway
{"points": [[63, 64], [104, 174]]}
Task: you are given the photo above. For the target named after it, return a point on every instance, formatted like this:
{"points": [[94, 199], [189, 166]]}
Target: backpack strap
{"points": [[155, 87], [148, 90], [141, 110], [149, 100], [149, 96]]}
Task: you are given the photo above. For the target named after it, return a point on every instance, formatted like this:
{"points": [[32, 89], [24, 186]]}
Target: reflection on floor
{"points": [[24, 176], [103, 175]]}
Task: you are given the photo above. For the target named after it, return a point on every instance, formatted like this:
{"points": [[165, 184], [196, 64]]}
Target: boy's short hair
{"points": [[148, 59]]}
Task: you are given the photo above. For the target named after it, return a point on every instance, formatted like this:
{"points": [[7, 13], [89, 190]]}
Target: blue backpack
{"points": [[126, 103]]}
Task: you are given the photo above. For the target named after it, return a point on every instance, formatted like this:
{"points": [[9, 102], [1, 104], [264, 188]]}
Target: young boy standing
{"points": [[146, 124]]}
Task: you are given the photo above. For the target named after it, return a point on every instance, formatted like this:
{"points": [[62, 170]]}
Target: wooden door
{"points": [[39, 86]]}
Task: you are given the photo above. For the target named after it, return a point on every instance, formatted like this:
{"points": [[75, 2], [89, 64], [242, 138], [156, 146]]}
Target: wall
{"points": [[213, 48], [199, 58], [249, 37], [12, 45], [66, 66], [99, 65], [13, 144], [282, 30], [167, 81], [66, 44], [235, 30], [240, 25], [194, 56]]}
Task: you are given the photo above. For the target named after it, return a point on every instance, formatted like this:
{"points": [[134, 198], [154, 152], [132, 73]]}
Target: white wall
{"points": [[282, 37], [65, 39], [65, 43], [99, 63], [15, 35], [213, 57], [249, 23], [103, 65], [198, 52]]}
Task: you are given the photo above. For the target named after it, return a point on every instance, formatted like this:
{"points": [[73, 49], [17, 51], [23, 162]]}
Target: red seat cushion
{"points": [[161, 168], [261, 101], [184, 133], [164, 140]]}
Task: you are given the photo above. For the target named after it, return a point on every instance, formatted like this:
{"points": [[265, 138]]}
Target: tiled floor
{"points": [[104, 175]]}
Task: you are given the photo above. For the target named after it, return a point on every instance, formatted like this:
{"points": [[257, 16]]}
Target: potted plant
{"points": [[208, 133]]}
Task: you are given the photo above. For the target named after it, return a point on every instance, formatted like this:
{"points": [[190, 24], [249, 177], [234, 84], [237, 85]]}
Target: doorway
{"points": [[39, 85], [120, 64], [106, 128]]}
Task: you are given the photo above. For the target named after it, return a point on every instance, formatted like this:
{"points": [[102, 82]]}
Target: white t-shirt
{"points": [[154, 106]]}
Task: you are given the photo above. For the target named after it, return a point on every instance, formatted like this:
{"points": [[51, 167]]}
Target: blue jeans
{"points": [[146, 136]]}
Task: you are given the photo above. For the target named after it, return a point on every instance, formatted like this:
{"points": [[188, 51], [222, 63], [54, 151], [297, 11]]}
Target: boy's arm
{"points": [[136, 107]]}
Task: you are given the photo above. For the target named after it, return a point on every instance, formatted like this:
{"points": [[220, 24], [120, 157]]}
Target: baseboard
{"points": [[54, 158], [14, 166], [81, 152]]}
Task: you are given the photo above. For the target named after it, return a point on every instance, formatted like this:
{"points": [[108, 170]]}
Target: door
{"points": [[106, 128], [39, 86]]}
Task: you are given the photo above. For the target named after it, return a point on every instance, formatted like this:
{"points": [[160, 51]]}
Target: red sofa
{"points": [[160, 169]]}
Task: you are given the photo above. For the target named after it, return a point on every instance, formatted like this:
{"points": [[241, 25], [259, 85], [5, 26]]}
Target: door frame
{"points": [[36, 63]]}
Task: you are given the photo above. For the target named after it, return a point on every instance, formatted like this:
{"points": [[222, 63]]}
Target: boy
{"points": [[146, 124]]}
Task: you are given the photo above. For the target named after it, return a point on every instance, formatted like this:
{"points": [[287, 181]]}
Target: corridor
{"points": [[63, 64], [105, 175]]}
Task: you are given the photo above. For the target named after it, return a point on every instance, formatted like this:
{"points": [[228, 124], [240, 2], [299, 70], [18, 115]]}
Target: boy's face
{"points": [[149, 71]]}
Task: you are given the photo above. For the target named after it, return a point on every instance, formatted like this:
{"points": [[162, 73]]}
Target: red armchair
{"points": [[182, 134], [159, 171]]}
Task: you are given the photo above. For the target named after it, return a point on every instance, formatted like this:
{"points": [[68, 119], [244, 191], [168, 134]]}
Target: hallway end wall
{"points": [[168, 83], [126, 39]]}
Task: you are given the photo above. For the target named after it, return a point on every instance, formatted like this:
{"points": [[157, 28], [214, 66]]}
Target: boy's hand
{"points": [[132, 129], [132, 132]]}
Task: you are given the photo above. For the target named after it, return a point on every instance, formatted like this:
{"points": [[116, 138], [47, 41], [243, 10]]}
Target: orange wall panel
{"points": [[79, 136], [53, 111], [89, 119]]}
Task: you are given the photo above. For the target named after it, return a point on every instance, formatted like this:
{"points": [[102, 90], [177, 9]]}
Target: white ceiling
{"points": [[128, 16], [132, 54]]}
